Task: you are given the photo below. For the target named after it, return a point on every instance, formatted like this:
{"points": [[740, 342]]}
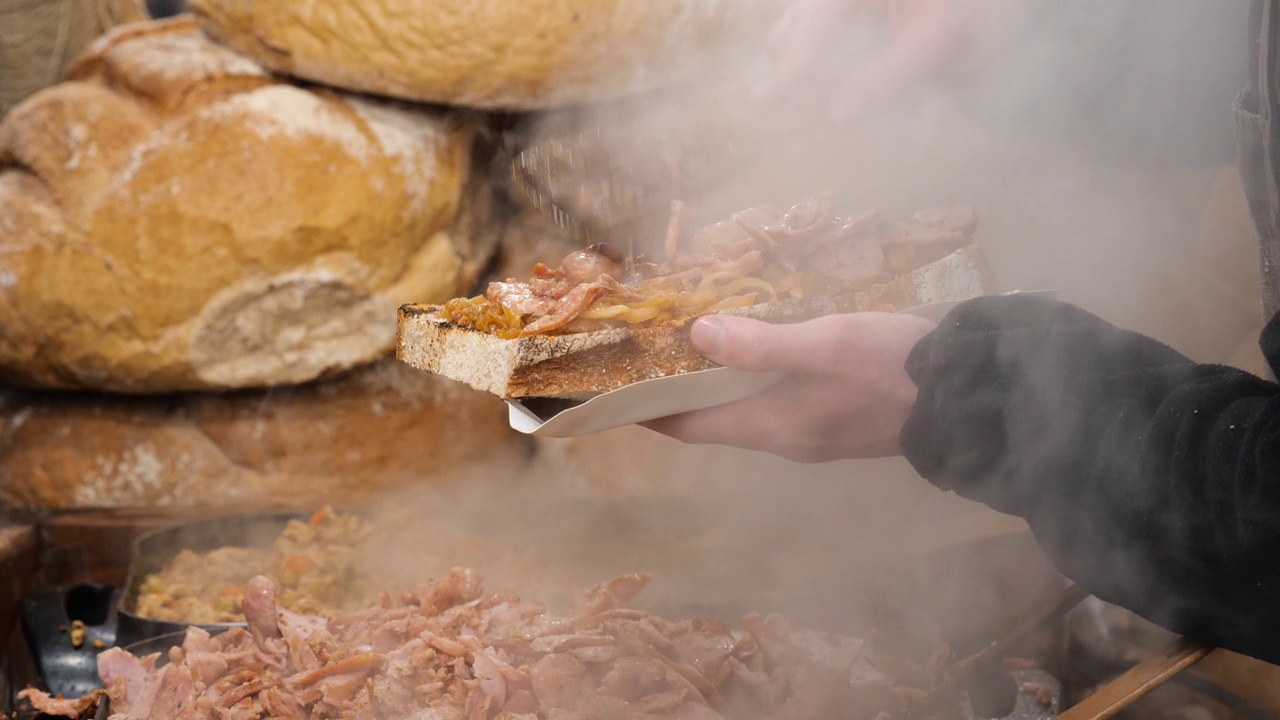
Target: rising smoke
{"points": [[1086, 134]]}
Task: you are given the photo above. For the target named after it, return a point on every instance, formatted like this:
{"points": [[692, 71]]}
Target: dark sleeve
{"points": [[1151, 480]]}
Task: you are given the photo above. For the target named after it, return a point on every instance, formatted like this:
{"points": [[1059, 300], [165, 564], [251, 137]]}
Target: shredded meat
{"points": [[521, 298], [446, 651], [564, 310], [772, 253], [60, 707]]}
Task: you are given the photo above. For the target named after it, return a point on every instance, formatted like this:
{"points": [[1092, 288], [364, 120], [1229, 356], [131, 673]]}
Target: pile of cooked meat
{"points": [[446, 651], [319, 565], [761, 255]]}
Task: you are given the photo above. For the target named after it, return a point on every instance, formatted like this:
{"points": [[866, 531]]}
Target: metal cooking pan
{"points": [[160, 645], [110, 613], [46, 617], [153, 551], [113, 611], [111, 617], [73, 672]]}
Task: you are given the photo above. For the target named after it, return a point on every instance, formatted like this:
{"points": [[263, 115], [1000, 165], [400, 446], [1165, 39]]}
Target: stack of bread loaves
{"points": [[206, 229]]}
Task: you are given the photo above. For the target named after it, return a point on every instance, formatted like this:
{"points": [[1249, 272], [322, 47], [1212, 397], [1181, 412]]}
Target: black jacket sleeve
{"points": [[1151, 480]]}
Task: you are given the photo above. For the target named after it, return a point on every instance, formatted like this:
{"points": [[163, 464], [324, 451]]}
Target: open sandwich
{"points": [[597, 323]]}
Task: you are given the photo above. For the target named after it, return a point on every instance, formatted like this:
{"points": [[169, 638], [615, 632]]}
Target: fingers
{"points": [[802, 420], [757, 346], [828, 345], [845, 392], [766, 422]]}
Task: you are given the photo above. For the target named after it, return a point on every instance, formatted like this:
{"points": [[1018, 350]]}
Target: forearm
{"points": [[1151, 479]]}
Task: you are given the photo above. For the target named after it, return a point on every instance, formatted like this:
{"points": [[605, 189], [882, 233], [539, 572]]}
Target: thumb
{"points": [[751, 345]]}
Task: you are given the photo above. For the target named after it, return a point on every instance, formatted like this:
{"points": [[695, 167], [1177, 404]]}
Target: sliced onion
{"points": [[737, 287], [737, 301], [604, 312], [643, 314], [719, 276]]}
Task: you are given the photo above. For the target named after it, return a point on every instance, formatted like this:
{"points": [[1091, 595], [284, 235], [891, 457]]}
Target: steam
{"points": [[856, 548], [1088, 135]]}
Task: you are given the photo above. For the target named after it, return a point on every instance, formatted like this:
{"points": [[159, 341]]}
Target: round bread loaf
{"points": [[175, 218], [375, 430], [514, 55]]}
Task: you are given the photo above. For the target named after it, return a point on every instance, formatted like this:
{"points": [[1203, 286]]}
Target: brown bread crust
{"points": [[527, 55], [175, 218]]}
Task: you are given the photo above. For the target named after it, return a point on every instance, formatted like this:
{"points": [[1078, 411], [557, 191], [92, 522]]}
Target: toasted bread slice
{"points": [[577, 366]]}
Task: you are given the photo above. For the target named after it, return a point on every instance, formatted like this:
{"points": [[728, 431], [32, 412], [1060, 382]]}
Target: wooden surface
{"points": [[18, 560], [1255, 680], [1138, 682]]}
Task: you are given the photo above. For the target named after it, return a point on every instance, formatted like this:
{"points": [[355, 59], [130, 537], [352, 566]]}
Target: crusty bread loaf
{"points": [[519, 55], [379, 428], [174, 218], [578, 365]]}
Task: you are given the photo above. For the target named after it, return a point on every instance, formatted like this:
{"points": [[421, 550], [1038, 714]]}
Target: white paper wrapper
{"points": [[665, 396]]}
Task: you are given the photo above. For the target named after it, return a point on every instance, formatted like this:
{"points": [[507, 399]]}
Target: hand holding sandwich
{"points": [[845, 392]]}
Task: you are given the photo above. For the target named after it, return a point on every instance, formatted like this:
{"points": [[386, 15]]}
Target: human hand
{"points": [[845, 393], [923, 36]]}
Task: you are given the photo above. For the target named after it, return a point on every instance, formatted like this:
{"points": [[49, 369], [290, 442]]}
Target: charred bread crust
{"points": [[578, 365], [575, 364]]}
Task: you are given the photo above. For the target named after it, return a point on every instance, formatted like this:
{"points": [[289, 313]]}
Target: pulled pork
{"points": [[447, 652], [760, 255]]}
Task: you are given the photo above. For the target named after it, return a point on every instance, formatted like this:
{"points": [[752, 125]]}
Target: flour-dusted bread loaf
{"points": [[575, 366], [514, 55], [174, 218], [376, 430]]}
